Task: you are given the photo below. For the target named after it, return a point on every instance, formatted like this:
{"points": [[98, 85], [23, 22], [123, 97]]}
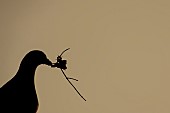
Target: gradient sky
{"points": [[120, 52]]}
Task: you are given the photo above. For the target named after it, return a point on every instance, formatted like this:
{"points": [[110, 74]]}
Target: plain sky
{"points": [[120, 52]]}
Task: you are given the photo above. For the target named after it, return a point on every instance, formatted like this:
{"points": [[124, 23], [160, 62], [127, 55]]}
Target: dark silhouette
{"points": [[19, 95]]}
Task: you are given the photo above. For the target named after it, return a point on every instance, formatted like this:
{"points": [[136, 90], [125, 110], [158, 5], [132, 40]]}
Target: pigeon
{"points": [[18, 95]]}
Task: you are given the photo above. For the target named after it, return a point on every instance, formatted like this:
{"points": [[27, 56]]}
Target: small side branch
{"points": [[72, 78]]}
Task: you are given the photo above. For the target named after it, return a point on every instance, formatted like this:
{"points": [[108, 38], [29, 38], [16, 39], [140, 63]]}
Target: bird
{"points": [[18, 95]]}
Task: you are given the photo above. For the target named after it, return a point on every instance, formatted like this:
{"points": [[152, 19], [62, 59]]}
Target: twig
{"points": [[64, 51], [72, 84], [72, 78]]}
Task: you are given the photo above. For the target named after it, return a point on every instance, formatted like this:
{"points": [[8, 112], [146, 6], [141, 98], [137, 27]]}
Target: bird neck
{"points": [[26, 73]]}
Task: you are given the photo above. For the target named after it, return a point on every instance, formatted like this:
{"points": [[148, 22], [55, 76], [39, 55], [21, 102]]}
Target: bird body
{"points": [[19, 94]]}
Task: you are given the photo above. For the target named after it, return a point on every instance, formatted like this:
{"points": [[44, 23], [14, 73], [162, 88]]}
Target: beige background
{"points": [[120, 52]]}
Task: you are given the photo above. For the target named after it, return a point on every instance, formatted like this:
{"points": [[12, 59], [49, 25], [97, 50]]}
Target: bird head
{"points": [[35, 58]]}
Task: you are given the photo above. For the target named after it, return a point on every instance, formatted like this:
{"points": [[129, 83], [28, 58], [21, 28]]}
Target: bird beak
{"points": [[48, 62]]}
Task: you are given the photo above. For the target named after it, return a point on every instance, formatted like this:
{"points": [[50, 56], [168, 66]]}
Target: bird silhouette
{"points": [[18, 95]]}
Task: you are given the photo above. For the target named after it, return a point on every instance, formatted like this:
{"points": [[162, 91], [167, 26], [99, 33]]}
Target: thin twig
{"points": [[72, 78], [64, 51], [72, 84]]}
